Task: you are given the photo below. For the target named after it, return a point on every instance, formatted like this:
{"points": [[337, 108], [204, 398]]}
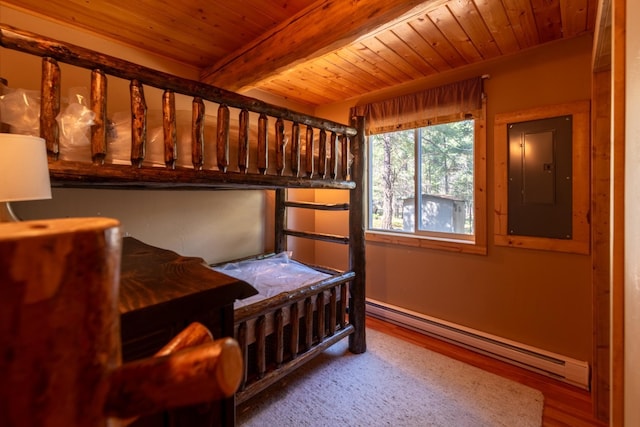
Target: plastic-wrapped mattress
{"points": [[271, 276]]}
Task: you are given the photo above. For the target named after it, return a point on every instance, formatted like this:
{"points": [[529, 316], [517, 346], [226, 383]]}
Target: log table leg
{"points": [[59, 322]]}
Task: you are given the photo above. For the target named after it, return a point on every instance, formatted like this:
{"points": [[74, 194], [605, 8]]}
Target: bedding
{"points": [[271, 275]]}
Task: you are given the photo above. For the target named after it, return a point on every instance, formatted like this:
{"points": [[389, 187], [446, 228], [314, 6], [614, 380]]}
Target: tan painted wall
{"points": [[534, 297]]}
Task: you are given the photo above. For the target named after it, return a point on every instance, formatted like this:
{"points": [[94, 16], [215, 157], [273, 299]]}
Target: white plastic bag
{"points": [[74, 123], [20, 109]]}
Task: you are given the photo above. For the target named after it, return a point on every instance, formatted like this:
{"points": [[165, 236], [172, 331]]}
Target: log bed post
{"points": [[243, 141], [322, 154], [308, 323], [333, 299], [357, 340], [280, 146], [295, 149], [197, 133], [279, 334], [263, 144], [295, 330], [99, 108], [169, 129], [138, 123], [344, 147], [320, 310], [280, 220], [309, 144], [333, 161], [50, 106], [222, 141]]}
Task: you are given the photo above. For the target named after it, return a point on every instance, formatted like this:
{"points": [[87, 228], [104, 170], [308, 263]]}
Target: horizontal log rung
{"points": [[318, 206], [318, 236]]}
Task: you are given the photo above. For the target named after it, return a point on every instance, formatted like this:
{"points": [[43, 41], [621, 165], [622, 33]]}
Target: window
{"points": [[437, 160], [427, 171]]}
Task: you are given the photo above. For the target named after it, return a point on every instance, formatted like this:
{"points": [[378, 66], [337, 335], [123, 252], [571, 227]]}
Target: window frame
{"points": [[477, 243]]}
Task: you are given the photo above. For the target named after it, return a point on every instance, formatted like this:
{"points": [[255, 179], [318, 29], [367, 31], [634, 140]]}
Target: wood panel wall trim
{"points": [[600, 242], [618, 130], [580, 241]]}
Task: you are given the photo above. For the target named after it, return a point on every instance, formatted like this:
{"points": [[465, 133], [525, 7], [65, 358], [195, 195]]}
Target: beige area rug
{"points": [[395, 383]]}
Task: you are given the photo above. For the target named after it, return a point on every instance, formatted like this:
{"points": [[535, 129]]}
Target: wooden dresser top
{"points": [[153, 277]]}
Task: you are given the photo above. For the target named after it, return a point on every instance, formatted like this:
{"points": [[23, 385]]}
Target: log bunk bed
{"points": [[282, 332]]}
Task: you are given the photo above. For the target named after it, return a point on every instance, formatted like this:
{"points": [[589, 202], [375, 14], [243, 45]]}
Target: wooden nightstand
{"points": [[162, 292]]}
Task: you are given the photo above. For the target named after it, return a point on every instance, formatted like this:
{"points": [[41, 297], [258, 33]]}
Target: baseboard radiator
{"points": [[565, 369]]}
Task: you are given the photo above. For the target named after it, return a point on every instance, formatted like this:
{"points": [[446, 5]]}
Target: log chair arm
{"points": [[192, 368]]}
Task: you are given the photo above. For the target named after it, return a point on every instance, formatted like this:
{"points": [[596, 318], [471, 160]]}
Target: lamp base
{"points": [[6, 213]]}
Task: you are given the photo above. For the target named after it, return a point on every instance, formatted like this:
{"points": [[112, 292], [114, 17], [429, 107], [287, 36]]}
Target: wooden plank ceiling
{"points": [[323, 51]]}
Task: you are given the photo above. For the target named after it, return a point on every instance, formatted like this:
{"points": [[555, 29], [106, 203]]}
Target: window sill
{"points": [[450, 245]]}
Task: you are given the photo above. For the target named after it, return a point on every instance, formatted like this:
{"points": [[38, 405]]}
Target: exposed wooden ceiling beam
{"points": [[325, 26]]}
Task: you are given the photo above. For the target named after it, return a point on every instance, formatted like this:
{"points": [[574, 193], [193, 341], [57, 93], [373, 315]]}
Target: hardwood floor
{"points": [[564, 405]]}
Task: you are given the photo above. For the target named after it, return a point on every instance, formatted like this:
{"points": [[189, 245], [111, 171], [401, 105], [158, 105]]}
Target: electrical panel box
{"points": [[540, 178]]}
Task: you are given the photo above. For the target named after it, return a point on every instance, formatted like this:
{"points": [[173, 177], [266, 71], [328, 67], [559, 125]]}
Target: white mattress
{"points": [[271, 276]]}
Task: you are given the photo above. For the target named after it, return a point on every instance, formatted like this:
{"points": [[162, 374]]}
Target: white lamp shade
{"points": [[24, 170]]}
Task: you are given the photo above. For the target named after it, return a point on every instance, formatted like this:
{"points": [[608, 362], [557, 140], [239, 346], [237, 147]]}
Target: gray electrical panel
{"points": [[540, 178]]}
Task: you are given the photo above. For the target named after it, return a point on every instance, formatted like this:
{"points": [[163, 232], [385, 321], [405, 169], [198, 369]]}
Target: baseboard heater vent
{"points": [[569, 370]]}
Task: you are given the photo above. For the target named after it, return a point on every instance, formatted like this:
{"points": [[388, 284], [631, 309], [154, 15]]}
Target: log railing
{"points": [[299, 325], [321, 160]]}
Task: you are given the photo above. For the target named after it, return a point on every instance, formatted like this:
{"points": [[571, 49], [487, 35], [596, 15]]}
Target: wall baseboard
{"points": [[572, 371]]}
